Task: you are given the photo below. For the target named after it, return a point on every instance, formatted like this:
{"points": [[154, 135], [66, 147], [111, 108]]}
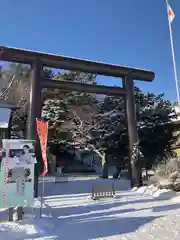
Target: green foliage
{"points": [[155, 131], [66, 110], [155, 135]]}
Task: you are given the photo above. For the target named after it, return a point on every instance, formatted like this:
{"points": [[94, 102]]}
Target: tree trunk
{"points": [[140, 178], [104, 166], [129, 167], [146, 173], [134, 176], [53, 164]]}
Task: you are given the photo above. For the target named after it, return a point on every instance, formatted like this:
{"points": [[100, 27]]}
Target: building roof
{"points": [[6, 104]]}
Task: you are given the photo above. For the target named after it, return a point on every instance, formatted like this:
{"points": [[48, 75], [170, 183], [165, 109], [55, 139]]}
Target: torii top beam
{"points": [[73, 64]]}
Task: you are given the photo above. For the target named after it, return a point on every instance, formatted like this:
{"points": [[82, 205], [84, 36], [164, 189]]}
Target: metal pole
{"points": [[173, 55], [42, 195]]}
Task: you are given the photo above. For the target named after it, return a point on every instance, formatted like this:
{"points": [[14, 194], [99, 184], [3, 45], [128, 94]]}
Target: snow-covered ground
{"points": [[69, 213]]}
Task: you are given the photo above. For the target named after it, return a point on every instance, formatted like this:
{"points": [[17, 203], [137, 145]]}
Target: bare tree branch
{"points": [[4, 94], [85, 133]]}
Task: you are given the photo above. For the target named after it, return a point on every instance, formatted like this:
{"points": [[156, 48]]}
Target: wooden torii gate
{"points": [[38, 60]]}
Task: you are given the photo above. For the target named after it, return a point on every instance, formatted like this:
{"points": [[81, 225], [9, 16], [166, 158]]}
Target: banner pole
{"points": [[42, 196]]}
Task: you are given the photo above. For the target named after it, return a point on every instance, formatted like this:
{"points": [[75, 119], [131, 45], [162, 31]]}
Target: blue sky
{"points": [[125, 32]]}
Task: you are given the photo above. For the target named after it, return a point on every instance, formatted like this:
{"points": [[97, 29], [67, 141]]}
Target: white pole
{"points": [[173, 56]]}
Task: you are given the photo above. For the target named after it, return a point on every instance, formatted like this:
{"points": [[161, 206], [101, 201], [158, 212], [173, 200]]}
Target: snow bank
{"points": [[134, 189], [147, 190], [155, 192], [141, 190], [176, 198], [28, 229], [164, 194], [150, 190], [126, 217]]}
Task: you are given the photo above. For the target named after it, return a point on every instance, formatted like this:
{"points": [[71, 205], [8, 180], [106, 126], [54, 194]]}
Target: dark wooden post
{"points": [[34, 109], [129, 155], [132, 126], [35, 99], [10, 213], [20, 213]]}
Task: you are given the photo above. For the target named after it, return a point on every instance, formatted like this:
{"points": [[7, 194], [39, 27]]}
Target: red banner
{"points": [[42, 131]]}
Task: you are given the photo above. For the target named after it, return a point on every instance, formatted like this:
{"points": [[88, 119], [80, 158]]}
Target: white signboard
{"points": [[17, 172]]}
